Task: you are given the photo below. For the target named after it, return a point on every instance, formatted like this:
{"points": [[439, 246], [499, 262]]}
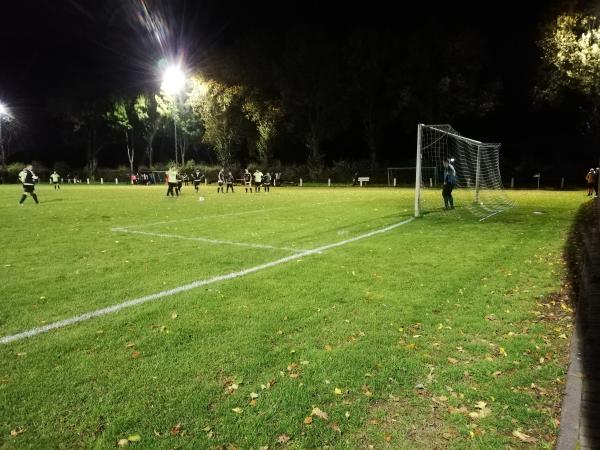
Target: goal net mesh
{"points": [[478, 188]]}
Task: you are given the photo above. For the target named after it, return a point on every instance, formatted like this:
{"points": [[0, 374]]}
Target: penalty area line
{"points": [[188, 287]]}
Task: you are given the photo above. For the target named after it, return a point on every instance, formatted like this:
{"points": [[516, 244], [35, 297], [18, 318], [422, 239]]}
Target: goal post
{"points": [[478, 187]]}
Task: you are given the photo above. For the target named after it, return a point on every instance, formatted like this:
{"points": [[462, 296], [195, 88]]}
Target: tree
{"points": [[266, 116], [86, 122], [150, 120], [570, 48], [311, 89], [120, 117], [218, 107]]}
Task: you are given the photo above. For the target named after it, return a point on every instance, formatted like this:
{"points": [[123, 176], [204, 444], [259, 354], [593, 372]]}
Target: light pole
{"points": [[3, 113], [172, 84]]}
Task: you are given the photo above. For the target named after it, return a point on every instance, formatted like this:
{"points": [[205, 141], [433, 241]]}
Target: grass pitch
{"points": [[443, 332]]}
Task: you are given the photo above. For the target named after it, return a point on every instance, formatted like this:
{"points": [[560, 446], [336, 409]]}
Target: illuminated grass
{"points": [[444, 302]]}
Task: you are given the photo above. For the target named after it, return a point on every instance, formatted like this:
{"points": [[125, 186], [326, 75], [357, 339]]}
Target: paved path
{"points": [[580, 417]]}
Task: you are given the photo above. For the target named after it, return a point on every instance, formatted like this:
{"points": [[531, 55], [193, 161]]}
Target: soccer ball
{"points": [[200, 199]]}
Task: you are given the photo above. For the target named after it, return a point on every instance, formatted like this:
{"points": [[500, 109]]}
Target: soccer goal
{"points": [[478, 187]]}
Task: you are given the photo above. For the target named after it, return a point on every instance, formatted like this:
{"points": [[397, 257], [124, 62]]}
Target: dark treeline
{"points": [[328, 84]]}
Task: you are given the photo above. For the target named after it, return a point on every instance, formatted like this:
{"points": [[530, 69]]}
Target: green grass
{"points": [[445, 302]]}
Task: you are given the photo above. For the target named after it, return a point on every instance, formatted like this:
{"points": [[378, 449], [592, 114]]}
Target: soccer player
{"points": [[28, 178], [221, 180], [267, 182], [230, 181], [590, 182], [55, 178], [186, 179], [198, 177], [247, 180], [179, 184], [257, 180], [449, 182], [172, 181]]}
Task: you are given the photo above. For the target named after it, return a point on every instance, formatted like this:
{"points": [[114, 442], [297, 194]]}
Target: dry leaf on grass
{"points": [[320, 414], [176, 430], [17, 431], [283, 439], [308, 420], [524, 437]]}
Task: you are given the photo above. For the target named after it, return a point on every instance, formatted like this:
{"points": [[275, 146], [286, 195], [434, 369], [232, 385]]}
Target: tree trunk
{"points": [[130, 153]]}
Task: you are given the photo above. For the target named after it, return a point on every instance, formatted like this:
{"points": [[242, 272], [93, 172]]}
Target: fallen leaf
{"points": [[308, 420], [176, 429], [283, 439], [253, 395], [328, 348], [134, 438], [17, 431], [136, 354], [123, 443], [337, 391], [321, 414], [388, 438], [335, 427], [130, 344], [480, 405], [524, 437], [174, 315], [452, 360], [238, 410]]}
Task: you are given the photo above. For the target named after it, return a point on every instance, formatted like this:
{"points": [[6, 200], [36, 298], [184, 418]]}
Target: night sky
{"points": [[53, 50]]}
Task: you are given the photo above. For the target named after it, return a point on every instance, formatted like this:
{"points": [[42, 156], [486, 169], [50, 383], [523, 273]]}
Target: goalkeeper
{"points": [[449, 182]]}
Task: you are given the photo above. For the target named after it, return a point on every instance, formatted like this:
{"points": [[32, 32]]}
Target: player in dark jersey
{"points": [[267, 182], [28, 178], [247, 180], [229, 179], [198, 177]]}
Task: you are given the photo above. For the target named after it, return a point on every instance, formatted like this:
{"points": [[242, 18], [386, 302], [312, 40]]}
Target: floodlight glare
{"points": [[173, 80], [3, 109]]}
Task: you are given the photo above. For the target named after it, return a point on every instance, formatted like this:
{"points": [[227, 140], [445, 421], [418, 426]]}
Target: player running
{"points": [[198, 177], [55, 178], [28, 178]]}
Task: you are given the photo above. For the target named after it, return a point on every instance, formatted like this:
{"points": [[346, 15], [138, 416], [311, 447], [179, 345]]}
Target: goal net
{"points": [[478, 185]]}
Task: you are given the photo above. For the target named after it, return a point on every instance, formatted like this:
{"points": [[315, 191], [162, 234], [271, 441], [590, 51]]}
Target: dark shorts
{"points": [[55, 182], [29, 188], [196, 182]]}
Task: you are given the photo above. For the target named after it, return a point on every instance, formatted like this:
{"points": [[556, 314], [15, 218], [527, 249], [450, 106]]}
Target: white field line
{"points": [[187, 287], [210, 241]]}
